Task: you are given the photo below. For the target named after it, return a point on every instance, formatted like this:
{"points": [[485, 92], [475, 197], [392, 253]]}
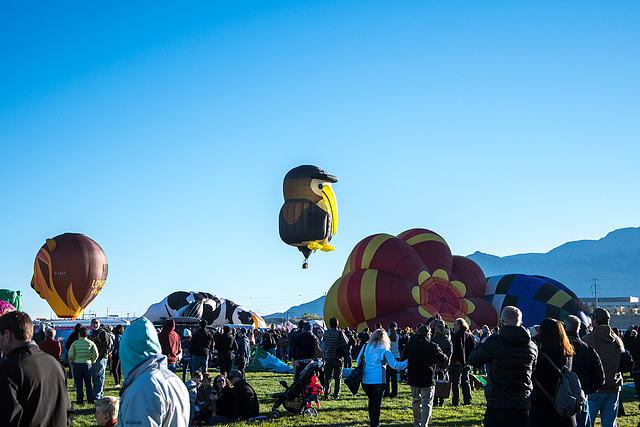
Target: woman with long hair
{"points": [[392, 374], [552, 341], [225, 402], [376, 354]]}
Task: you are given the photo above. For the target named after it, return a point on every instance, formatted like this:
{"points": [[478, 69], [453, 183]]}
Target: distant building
{"points": [[612, 302]]}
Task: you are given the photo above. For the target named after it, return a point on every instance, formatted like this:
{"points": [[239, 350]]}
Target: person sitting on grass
{"points": [[225, 400], [248, 406], [192, 387], [204, 407], [107, 411]]}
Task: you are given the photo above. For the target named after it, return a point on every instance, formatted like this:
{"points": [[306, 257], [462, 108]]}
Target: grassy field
{"points": [[349, 410]]}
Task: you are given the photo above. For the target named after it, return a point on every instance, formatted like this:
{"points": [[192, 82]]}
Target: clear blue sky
{"points": [[163, 130]]}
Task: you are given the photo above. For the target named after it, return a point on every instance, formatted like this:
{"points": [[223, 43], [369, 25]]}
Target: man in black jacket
{"points": [[586, 364], [248, 406], [200, 347], [510, 356], [423, 355], [462, 343], [33, 391]]}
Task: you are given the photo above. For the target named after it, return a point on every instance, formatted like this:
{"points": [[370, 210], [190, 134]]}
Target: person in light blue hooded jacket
{"points": [[151, 394]]}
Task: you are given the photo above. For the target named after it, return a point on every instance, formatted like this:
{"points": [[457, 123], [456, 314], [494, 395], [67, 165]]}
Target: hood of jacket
{"points": [[169, 325], [139, 341], [515, 335], [603, 334]]}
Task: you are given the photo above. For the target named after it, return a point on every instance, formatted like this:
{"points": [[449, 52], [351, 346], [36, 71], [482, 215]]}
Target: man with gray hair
{"points": [[510, 357], [586, 365]]}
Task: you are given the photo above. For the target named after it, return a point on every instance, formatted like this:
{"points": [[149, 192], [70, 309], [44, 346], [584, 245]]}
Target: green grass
{"points": [[349, 410]]}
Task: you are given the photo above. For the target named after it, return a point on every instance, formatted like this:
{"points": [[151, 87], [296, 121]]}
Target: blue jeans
{"points": [[374, 392], [82, 377], [584, 419], [97, 377], [199, 363], [607, 405]]}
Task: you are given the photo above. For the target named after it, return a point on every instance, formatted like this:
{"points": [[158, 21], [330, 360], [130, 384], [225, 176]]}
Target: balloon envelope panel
{"points": [[69, 272], [215, 310], [6, 307], [537, 297], [407, 279]]}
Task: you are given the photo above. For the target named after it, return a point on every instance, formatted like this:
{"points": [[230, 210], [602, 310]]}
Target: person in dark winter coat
{"points": [[303, 350], [462, 343], [248, 406], [200, 348], [225, 400], [610, 348], [586, 365], [226, 345], [33, 390], [552, 341], [441, 337], [510, 356], [335, 346], [170, 343], [423, 357]]}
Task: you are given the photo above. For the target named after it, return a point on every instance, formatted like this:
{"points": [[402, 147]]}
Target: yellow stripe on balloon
{"points": [[423, 312], [559, 299], [423, 277], [368, 293], [441, 274], [415, 293], [74, 307], [462, 289], [426, 237], [471, 307], [371, 249]]}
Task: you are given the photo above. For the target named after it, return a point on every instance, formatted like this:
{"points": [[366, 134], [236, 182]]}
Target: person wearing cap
{"points": [[422, 356], [99, 336], [248, 406], [609, 347], [303, 350], [510, 356], [185, 343], [151, 395]]}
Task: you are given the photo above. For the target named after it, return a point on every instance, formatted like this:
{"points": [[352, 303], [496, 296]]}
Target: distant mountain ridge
{"points": [[613, 260]]}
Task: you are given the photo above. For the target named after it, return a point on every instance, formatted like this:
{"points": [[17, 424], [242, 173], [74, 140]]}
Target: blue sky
{"points": [[163, 132]]}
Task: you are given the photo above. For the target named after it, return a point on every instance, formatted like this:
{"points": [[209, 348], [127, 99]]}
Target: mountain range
{"points": [[611, 263]]}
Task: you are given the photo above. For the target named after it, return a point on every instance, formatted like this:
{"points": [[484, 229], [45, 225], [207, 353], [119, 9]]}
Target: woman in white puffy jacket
{"points": [[376, 354]]}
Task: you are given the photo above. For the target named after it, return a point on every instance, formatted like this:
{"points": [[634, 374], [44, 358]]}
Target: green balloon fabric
{"points": [[12, 297]]}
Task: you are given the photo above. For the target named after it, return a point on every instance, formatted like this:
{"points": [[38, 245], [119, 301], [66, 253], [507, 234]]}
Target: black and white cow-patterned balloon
{"points": [[215, 310]]}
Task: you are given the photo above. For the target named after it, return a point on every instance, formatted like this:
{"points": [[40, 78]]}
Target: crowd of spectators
{"points": [[518, 364]]}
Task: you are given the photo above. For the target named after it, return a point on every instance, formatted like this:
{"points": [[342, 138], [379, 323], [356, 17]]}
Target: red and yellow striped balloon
{"points": [[407, 279]]}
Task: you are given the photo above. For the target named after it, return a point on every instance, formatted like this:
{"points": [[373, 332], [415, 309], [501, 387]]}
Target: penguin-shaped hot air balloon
{"points": [[309, 216]]}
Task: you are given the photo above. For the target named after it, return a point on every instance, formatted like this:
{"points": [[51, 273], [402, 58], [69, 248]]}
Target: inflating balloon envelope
{"points": [[407, 279]]}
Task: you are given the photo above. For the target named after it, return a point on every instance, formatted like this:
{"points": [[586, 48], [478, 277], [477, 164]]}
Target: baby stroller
{"points": [[293, 398]]}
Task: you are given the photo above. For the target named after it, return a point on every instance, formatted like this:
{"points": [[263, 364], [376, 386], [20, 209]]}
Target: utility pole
{"points": [[595, 290]]}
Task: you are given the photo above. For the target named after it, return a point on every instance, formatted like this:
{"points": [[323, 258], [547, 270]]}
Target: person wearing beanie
{"points": [[151, 394]]}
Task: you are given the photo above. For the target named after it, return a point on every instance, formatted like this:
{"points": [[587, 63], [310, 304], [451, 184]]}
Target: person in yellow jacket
{"points": [[82, 354]]}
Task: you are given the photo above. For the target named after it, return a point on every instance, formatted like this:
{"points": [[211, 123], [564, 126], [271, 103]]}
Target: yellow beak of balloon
{"points": [[329, 198]]}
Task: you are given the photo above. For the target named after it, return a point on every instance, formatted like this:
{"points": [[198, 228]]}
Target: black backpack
{"points": [[568, 399]]}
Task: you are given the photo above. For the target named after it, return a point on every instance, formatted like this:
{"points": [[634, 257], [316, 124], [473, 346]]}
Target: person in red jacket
{"points": [[170, 343], [49, 345]]}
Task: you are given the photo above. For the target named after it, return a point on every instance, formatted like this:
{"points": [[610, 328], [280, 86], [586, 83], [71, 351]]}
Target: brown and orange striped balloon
{"points": [[69, 272]]}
